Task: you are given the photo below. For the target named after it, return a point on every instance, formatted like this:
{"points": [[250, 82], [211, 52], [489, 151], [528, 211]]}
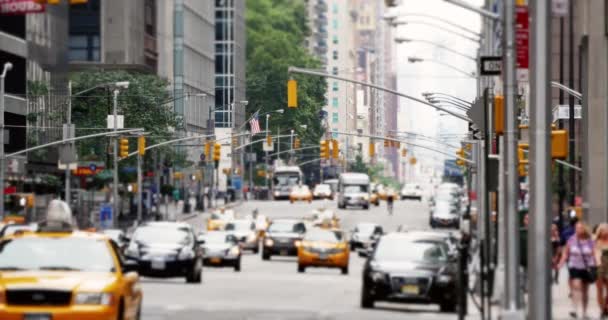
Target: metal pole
{"points": [[157, 173], [266, 158], [115, 201], [513, 300], [67, 165], [561, 188], [139, 189], [539, 253], [291, 146], [572, 145], [7, 66]]}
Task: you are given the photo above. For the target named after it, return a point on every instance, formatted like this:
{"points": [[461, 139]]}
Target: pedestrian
{"points": [[601, 256], [579, 254], [389, 204], [556, 246]]}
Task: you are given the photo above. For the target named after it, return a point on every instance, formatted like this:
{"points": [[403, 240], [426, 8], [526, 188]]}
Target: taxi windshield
{"points": [[323, 235], [56, 254], [239, 226]]}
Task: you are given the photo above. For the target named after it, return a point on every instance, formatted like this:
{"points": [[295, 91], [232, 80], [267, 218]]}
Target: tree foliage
{"points": [[144, 105], [276, 33]]}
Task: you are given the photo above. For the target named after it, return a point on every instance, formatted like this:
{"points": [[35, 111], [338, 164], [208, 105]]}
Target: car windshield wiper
{"points": [[11, 268], [59, 268]]}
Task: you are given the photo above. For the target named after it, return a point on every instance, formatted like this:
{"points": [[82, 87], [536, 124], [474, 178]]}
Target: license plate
{"points": [[283, 252], [37, 316], [323, 256], [158, 264], [410, 289], [215, 260]]}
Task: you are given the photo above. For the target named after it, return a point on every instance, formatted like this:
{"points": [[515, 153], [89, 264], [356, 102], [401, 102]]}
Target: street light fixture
{"points": [[437, 45], [413, 59], [392, 18]]}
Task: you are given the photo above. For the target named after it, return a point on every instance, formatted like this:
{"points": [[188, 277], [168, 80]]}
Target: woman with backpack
{"points": [[579, 254]]}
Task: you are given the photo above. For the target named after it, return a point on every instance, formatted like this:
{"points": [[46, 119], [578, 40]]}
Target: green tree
{"points": [[144, 105], [359, 165], [276, 33]]}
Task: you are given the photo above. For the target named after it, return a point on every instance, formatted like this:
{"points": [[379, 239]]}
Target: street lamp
{"points": [[392, 19], [457, 104], [413, 59], [433, 94], [435, 44], [397, 23], [117, 87]]}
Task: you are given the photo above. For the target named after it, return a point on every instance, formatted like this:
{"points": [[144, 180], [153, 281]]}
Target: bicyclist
{"points": [[389, 203]]}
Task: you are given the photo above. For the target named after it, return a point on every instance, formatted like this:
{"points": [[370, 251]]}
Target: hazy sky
{"points": [[414, 79]]}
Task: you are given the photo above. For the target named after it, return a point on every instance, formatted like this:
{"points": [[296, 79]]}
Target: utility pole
{"points": [[572, 145], [157, 173], [139, 188], [512, 302], [291, 152], [68, 196], [115, 201], [539, 253], [7, 67], [266, 158]]}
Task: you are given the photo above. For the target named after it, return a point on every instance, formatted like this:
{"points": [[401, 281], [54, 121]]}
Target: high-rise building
{"points": [[35, 44], [230, 44]]}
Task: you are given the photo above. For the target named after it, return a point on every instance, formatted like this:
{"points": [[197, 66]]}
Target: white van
{"points": [[353, 190]]}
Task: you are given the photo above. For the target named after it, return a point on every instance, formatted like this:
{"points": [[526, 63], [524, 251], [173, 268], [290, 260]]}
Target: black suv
{"points": [[282, 238]]}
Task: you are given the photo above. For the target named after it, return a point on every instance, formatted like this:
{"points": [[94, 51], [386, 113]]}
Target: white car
{"points": [[411, 191], [322, 191]]}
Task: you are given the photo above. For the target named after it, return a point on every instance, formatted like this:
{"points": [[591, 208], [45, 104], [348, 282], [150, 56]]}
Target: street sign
{"points": [[491, 66], [237, 183], [252, 157], [93, 167], [559, 7], [202, 156], [563, 112], [105, 216], [522, 40], [267, 147], [120, 120], [20, 7]]}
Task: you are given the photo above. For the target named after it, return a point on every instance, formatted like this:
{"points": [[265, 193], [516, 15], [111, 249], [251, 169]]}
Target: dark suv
{"points": [[282, 238]]}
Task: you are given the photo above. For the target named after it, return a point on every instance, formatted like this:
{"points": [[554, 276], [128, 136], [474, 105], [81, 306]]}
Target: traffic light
{"points": [[559, 144], [499, 114], [123, 147], [296, 143], [413, 160], [269, 140], [207, 150], [235, 142], [460, 161], [335, 149], [404, 152], [141, 145], [292, 93], [324, 149], [372, 149], [522, 167], [217, 151]]}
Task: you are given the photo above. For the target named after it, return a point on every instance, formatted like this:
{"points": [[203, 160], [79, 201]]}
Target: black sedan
{"points": [[166, 249], [221, 250], [282, 238], [424, 273]]}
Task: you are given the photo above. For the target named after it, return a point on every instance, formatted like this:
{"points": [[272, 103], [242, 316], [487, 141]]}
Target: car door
{"points": [[130, 288]]}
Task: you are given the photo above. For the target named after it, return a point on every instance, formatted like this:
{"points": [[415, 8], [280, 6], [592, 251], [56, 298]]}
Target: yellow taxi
{"points": [[58, 273], [217, 221], [323, 248], [374, 199], [300, 193]]}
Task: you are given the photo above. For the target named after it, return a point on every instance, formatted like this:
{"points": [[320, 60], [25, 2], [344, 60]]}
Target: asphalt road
{"points": [[274, 289]]}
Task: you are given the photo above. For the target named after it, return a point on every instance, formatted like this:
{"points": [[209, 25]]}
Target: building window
{"points": [[335, 86], [84, 47], [335, 54], [335, 23], [335, 134], [84, 43], [335, 8], [334, 117], [335, 39], [334, 102], [334, 71]]}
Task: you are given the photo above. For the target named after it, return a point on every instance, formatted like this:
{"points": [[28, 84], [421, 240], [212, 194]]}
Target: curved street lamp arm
{"points": [[470, 75], [455, 25], [452, 102], [447, 95], [568, 90], [440, 27]]}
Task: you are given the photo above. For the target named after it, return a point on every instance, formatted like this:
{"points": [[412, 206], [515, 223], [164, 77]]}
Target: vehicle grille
{"points": [[423, 283], [324, 250], [38, 297]]}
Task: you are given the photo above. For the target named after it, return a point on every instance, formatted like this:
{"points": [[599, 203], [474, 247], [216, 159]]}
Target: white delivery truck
{"points": [[353, 190]]}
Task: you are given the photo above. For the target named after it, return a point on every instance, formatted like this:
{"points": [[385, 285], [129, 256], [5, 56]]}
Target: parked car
{"points": [[411, 192]]}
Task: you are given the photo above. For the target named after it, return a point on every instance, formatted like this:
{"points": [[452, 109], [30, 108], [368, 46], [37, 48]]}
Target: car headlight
{"points": [[132, 251], [234, 251], [444, 278], [185, 254], [276, 193], [297, 243], [268, 242], [365, 197], [93, 298], [251, 237], [378, 276]]}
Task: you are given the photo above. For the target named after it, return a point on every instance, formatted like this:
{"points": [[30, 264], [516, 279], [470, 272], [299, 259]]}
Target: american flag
{"points": [[254, 123]]}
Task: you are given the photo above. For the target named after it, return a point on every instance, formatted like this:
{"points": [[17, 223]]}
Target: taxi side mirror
{"points": [[130, 266]]}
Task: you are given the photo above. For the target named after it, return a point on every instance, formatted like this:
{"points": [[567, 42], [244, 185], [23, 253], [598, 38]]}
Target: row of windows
{"points": [[334, 117]]}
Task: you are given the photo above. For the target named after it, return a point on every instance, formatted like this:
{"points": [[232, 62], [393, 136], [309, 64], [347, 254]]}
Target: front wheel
{"points": [[448, 306], [194, 276], [366, 207], [265, 255], [344, 270], [367, 302], [237, 266], [301, 268]]}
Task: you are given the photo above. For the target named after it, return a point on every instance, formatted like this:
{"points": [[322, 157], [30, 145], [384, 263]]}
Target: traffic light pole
{"points": [[7, 66], [139, 188], [115, 155]]}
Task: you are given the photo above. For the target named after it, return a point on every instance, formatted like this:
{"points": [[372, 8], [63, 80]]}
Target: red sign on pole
{"points": [[522, 36], [20, 7]]}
